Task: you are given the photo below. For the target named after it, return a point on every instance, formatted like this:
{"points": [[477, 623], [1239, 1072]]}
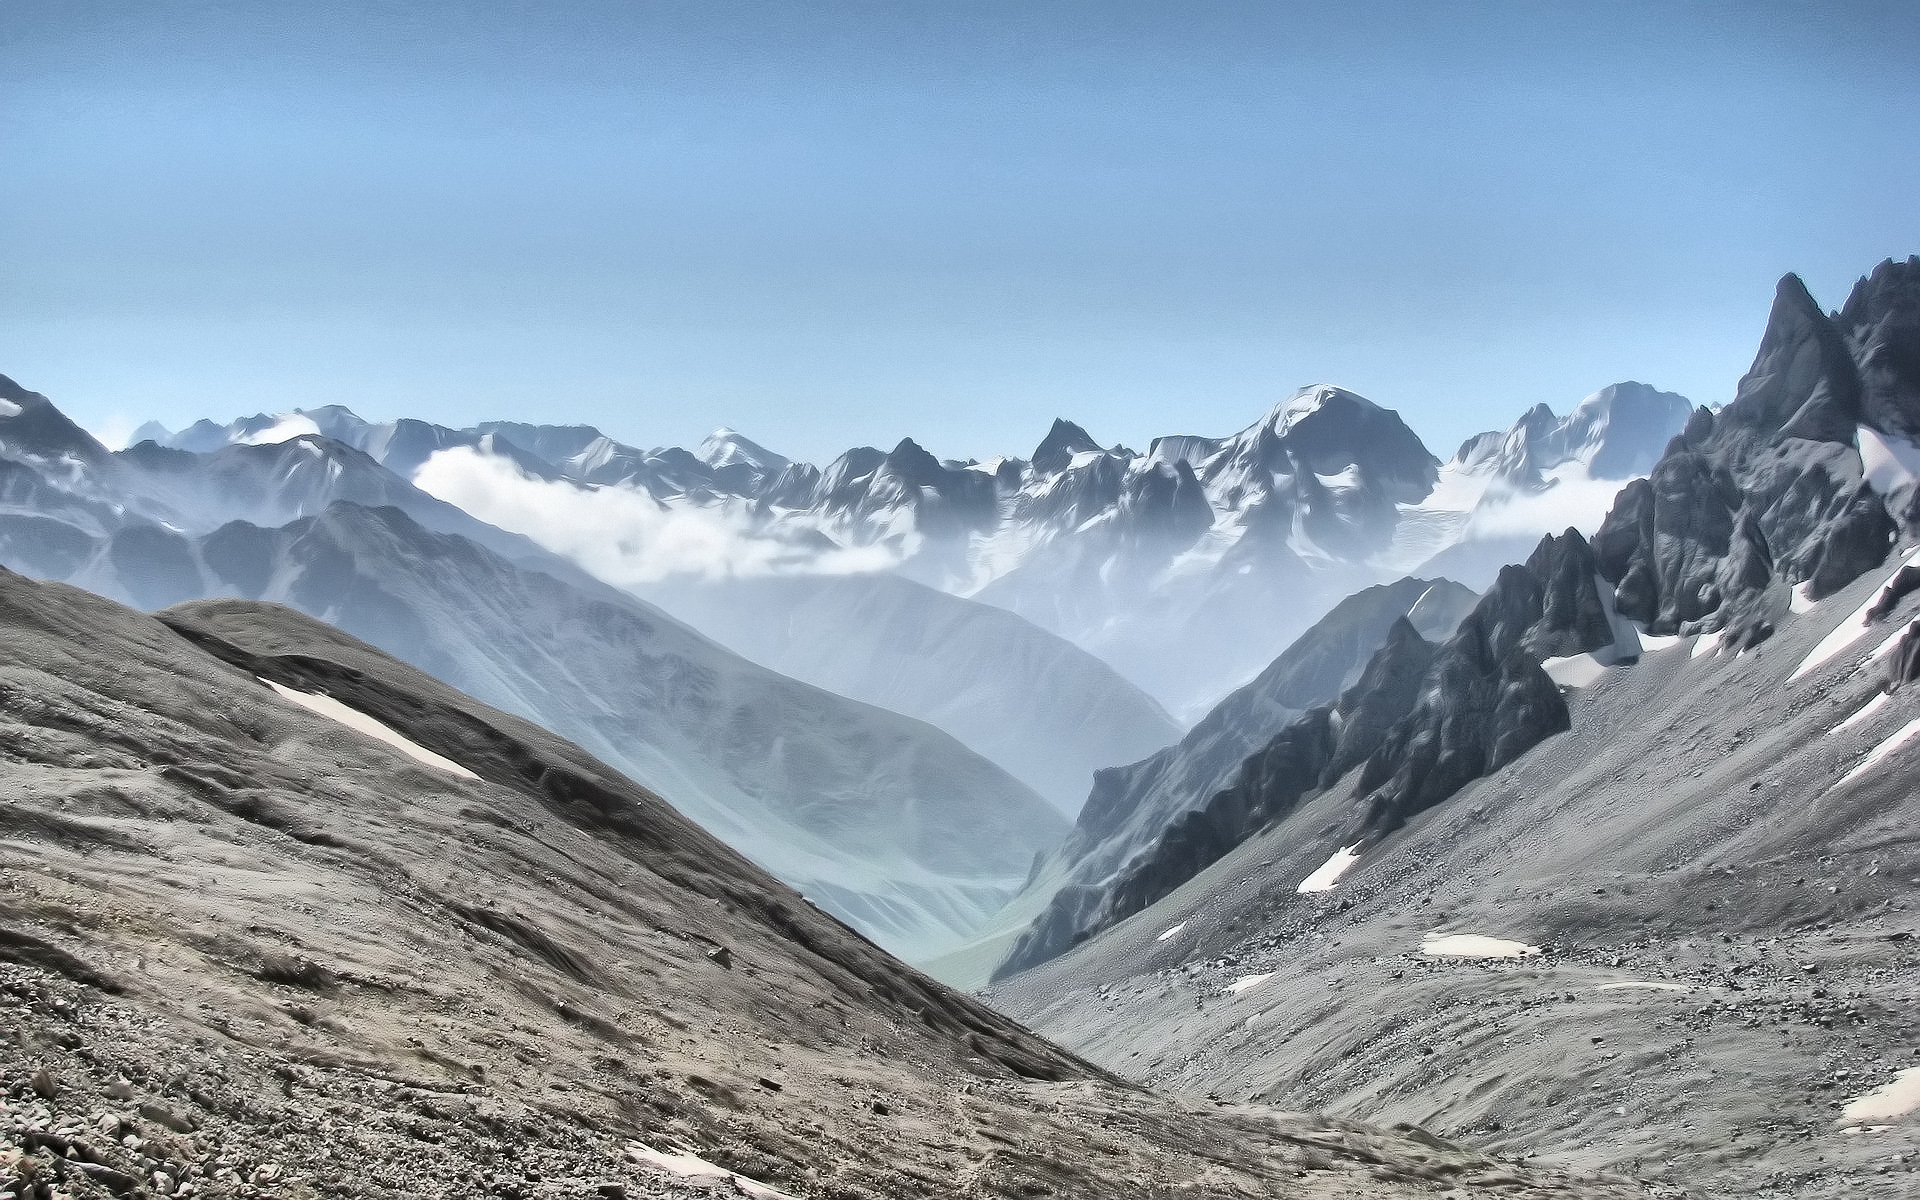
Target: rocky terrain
{"points": [[1712, 922], [1131, 807], [891, 824], [1786, 464], [1420, 722], [282, 916], [1806, 477], [1656, 918]]}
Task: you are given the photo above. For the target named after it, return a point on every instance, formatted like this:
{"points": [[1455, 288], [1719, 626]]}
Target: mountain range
{"points": [[1183, 568], [880, 818], [1549, 798], [1620, 872], [286, 917]]}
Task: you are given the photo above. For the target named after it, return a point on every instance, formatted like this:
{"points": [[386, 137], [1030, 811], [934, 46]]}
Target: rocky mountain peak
{"points": [[739, 460], [1803, 383], [1063, 441], [1882, 320], [31, 427]]}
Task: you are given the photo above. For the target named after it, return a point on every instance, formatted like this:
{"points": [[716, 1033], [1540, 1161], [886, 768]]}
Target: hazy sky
{"points": [[832, 224]]}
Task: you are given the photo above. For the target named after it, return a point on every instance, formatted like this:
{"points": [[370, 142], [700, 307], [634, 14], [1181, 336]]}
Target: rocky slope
{"points": [[1130, 807], [884, 821], [1670, 937], [1708, 889], [284, 917], [1420, 722], [1772, 489]]}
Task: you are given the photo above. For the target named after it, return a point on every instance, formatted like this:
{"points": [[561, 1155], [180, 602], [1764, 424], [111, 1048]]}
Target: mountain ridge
{"points": [[1126, 554]]}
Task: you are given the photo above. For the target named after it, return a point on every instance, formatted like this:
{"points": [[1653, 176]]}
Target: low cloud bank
{"points": [[625, 536], [1572, 500]]}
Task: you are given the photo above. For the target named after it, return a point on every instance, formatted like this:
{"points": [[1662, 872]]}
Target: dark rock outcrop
{"points": [[1311, 751], [1903, 664], [1773, 487], [1063, 441], [1485, 701], [1425, 721], [1904, 583], [1314, 670]]}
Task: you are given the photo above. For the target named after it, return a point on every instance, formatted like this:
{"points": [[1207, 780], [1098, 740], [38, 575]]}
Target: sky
{"points": [[837, 224]]}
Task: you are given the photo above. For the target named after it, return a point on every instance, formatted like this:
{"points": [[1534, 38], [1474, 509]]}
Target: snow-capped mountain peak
{"points": [[736, 455], [1250, 535]]}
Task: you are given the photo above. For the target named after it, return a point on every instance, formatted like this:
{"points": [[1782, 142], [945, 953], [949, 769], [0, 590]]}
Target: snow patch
{"points": [[1652, 643], [1801, 602], [1889, 645], [8, 409], [1866, 711], [1329, 873], [1473, 945], [1892, 1100], [1878, 754], [1165, 934], [283, 429], [1845, 633], [1576, 670], [1888, 462], [1645, 983], [692, 1166], [1705, 644], [1247, 981], [354, 719]]}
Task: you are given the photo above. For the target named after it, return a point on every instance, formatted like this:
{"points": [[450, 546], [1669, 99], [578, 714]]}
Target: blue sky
{"points": [[836, 224]]}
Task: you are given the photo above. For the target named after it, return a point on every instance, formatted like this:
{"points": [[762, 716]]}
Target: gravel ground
{"points": [[287, 959], [1694, 830]]}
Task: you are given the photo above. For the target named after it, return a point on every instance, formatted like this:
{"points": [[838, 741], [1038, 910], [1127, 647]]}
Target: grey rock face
{"points": [[1903, 664], [1425, 721], [1904, 583], [1313, 670], [1312, 752], [1773, 486], [1485, 701], [1324, 705]]}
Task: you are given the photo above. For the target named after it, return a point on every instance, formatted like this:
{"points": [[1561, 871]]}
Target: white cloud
{"points": [[1572, 500], [625, 536], [112, 431]]}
